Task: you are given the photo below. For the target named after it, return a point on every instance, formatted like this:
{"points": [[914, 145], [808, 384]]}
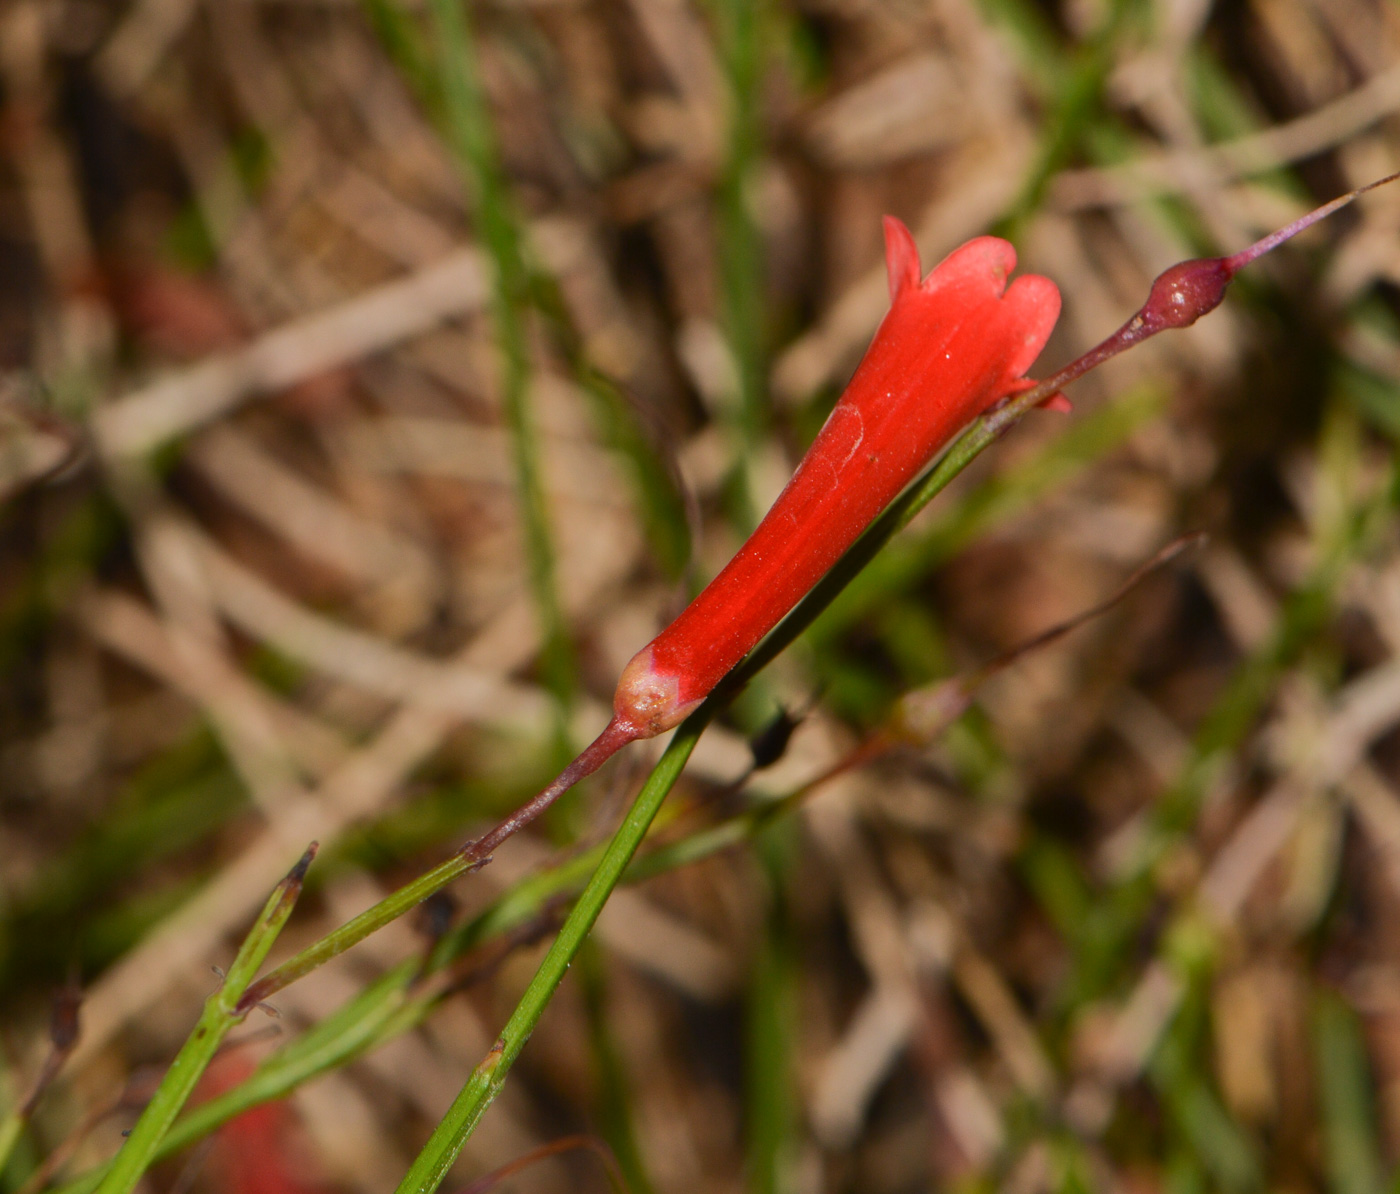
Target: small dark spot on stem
{"points": [[298, 873]]}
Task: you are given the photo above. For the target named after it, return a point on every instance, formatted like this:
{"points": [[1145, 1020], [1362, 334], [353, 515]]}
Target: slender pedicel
{"points": [[1182, 294], [949, 349]]}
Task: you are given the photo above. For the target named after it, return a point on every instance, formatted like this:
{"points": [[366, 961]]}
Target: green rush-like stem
{"points": [[486, 1080], [473, 139], [660, 504], [740, 245], [221, 1013], [335, 943], [10, 1128], [397, 1001]]}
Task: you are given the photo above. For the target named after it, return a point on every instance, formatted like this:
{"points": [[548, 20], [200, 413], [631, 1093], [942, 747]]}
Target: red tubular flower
{"points": [[950, 347]]}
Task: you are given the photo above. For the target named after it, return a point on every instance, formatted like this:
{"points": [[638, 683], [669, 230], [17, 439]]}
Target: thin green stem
{"points": [[473, 138], [660, 504], [1076, 103], [395, 1003], [740, 250], [10, 1129], [221, 1013], [770, 1102], [487, 1079], [389, 909]]}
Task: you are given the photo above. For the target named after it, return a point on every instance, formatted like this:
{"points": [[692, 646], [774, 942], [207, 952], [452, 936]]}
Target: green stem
{"points": [[1075, 105], [10, 1129], [660, 504], [486, 1080], [398, 1001], [389, 909], [740, 247], [469, 127], [221, 1013]]}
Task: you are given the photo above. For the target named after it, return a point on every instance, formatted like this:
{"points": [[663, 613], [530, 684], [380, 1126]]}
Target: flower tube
{"points": [[952, 345]]}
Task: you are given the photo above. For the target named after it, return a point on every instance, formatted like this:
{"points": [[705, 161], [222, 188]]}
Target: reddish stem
{"points": [[1185, 292], [614, 737], [1238, 261]]}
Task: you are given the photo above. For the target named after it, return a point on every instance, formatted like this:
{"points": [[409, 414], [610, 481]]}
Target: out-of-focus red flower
{"points": [[254, 1153]]}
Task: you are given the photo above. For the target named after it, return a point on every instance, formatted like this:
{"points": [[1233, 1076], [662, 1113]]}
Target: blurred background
{"points": [[378, 378]]}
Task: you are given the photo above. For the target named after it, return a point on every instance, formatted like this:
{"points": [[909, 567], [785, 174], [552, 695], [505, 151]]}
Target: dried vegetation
{"points": [[268, 574]]}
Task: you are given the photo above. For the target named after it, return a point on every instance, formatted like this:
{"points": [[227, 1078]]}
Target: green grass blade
{"points": [[480, 1091], [220, 1014], [1344, 1087], [335, 943], [473, 139], [616, 1120], [770, 1095], [740, 246]]}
